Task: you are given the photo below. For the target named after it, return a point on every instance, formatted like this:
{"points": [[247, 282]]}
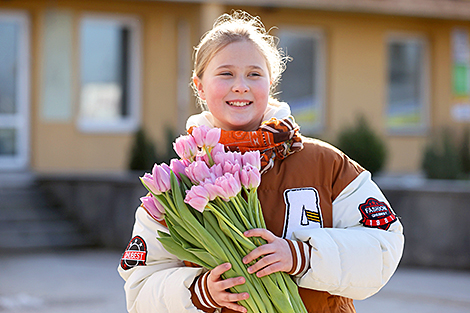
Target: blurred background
{"points": [[92, 93]]}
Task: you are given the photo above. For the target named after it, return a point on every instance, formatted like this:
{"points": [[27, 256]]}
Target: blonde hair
{"points": [[235, 27]]}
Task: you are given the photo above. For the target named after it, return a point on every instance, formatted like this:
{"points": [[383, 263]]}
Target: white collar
{"points": [[280, 111]]}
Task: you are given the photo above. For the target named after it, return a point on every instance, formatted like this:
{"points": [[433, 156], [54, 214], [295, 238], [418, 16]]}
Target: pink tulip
{"points": [[250, 177], [213, 137], [230, 184], [166, 168], [159, 181], [178, 166], [213, 190], [253, 158], [153, 207], [161, 178], [238, 158], [231, 168], [205, 136], [197, 172], [217, 148], [185, 147], [230, 157], [197, 197], [216, 171], [147, 180]]}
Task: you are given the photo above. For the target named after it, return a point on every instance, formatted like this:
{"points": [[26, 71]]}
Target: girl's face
{"points": [[235, 86]]}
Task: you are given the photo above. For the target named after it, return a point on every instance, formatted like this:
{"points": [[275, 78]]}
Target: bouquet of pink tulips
{"points": [[208, 199]]}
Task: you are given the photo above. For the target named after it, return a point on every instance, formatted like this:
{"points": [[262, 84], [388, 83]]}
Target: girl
{"points": [[328, 224]]}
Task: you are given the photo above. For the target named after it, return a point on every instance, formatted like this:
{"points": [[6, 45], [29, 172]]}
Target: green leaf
{"points": [[187, 236], [190, 222], [234, 258], [206, 257], [172, 247]]}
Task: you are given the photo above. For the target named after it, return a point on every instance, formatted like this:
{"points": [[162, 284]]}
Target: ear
{"points": [[200, 89]]}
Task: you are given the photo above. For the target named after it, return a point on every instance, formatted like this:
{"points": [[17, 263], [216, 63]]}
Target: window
{"points": [[109, 74], [407, 102], [14, 90], [302, 82]]}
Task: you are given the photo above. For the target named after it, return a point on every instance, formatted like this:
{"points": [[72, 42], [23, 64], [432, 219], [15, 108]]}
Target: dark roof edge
{"points": [[441, 9]]}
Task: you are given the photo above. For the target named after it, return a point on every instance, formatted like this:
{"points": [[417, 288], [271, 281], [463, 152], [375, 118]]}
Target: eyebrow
{"points": [[231, 66]]}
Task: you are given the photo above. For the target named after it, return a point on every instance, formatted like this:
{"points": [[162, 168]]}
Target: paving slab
{"points": [[418, 290], [65, 281], [79, 281]]}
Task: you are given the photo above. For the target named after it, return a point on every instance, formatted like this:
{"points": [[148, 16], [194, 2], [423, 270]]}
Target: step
{"points": [[26, 213], [29, 221], [41, 234]]}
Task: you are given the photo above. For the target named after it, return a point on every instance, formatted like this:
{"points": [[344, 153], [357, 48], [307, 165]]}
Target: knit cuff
{"points": [[300, 257], [202, 292]]}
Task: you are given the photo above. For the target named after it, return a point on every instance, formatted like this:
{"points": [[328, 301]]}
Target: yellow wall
{"points": [[355, 77], [61, 147]]}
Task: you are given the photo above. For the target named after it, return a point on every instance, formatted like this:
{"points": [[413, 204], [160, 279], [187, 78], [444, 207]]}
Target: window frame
{"points": [[132, 122], [320, 76], [20, 120], [422, 128]]}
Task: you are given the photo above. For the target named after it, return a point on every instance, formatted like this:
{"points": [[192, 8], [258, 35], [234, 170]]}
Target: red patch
{"points": [[376, 214], [135, 254]]}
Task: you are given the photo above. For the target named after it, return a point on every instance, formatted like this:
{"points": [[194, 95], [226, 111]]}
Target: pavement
{"points": [[80, 281]]}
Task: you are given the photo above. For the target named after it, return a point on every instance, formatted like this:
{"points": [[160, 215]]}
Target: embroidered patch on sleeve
{"points": [[135, 254], [376, 214]]}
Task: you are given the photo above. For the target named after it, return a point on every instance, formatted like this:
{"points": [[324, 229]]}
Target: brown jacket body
{"points": [[328, 171]]}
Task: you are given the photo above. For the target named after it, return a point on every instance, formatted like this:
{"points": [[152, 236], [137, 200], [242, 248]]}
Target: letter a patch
{"points": [[302, 210]]}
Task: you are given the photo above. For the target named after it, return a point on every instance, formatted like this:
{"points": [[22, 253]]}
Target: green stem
{"points": [[208, 153], [254, 302], [227, 210], [238, 206], [236, 230]]}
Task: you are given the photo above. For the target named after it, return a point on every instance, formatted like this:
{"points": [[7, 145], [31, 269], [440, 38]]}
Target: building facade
{"points": [[78, 78]]}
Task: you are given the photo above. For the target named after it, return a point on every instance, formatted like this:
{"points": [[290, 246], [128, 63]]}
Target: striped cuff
{"points": [[300, 257], [202, 292]]}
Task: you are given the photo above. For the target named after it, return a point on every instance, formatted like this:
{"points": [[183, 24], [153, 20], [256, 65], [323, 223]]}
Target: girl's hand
{"points": [[277, 254], [217, 288]]}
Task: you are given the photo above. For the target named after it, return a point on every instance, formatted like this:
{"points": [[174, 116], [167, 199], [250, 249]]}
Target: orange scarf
{"points": [[275, 139]]}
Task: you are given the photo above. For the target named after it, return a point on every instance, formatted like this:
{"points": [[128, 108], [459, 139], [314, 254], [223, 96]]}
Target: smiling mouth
{"points": [[239, 103]]}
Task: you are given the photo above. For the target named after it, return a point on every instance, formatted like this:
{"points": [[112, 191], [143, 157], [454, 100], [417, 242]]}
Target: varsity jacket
{"points": [[317, 197]]}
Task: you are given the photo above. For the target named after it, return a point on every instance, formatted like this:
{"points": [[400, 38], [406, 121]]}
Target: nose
{"points": [[240, 86]]}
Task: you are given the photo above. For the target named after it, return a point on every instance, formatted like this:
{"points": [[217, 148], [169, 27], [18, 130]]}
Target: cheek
{"points": [[216, 91], [261, 90]]}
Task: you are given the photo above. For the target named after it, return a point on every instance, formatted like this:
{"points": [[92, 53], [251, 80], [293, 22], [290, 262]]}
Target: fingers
{"points": [[261, 232], [267, 265], [229, 283], [229, 300], [275, 256], [258, 252], [217, 288], [236, 307], [219, 270]]}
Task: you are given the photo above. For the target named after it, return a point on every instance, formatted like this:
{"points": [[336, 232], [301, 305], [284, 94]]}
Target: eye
{"points": [[256, 74], [225, 74]]}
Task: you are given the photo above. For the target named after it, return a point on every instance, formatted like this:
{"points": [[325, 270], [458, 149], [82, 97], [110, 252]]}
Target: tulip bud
{"points": [[153, 207], [185, 147], [161, 178], [250, 177], [197, 197], [253, 158], [197, 172]]}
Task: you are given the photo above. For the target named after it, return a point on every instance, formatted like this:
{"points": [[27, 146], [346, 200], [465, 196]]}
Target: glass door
{"points": [[14, 91]]}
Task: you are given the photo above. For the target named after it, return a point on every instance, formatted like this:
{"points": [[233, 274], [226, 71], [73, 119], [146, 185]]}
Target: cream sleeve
{"points": [[355, 258]]}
